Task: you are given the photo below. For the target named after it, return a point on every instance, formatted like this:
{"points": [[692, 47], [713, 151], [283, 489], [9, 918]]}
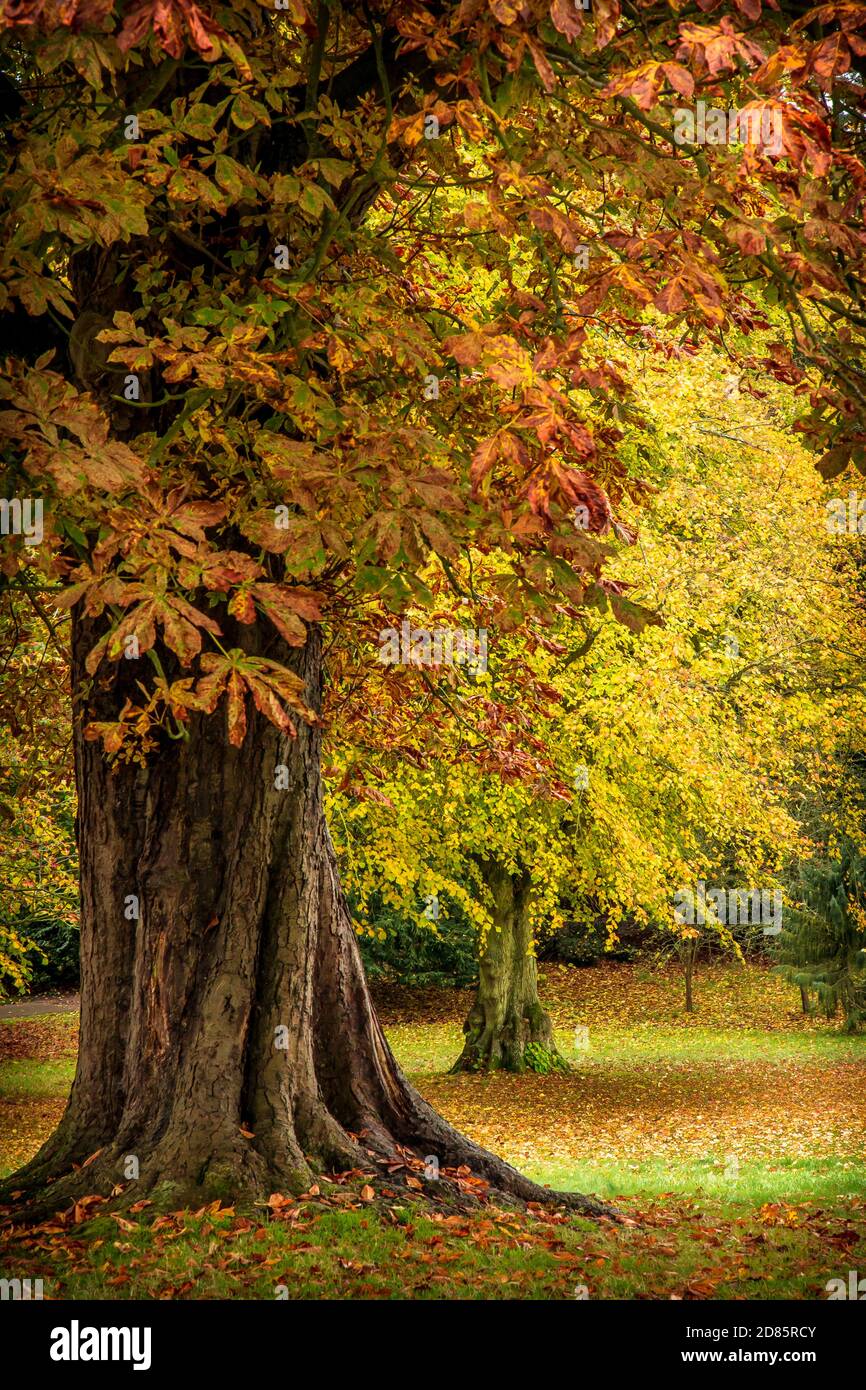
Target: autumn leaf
{"points": [[236, 674]]}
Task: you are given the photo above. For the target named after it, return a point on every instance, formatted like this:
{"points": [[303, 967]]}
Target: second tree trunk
{"points": [[507, 1029]]}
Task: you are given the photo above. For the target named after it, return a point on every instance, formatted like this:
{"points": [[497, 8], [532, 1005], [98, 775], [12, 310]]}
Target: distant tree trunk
{"points": [[687, 950], [228, 1041], [804, 999], [506, 1016]]}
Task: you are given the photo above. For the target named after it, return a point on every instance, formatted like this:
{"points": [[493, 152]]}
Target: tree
{"points": [[507, 1027], [446, 835], [823, 947], [221, 279], [38, 878]]}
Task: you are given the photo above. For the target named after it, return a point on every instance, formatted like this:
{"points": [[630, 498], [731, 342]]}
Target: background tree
{"points": [[38, 868], [447, 843], [822, 947]]}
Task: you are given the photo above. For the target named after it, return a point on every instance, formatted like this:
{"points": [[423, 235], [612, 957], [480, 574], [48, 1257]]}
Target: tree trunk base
{"points": [[238, 1174], [337, 1103], [229, 1048], [517, 1043]]}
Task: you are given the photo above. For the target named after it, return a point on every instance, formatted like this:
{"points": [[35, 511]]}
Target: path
{"points": [[41, 1004]]}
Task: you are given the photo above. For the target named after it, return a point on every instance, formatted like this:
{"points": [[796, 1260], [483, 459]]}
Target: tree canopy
{"points": [[291, 224]]}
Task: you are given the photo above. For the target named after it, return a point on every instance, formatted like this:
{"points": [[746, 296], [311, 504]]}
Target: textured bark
{"points": [[506, 1016], [243, 941]]}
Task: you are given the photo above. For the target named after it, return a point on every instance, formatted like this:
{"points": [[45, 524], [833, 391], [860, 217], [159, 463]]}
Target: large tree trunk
{"points": [[228, 1040], [507, 1029]]}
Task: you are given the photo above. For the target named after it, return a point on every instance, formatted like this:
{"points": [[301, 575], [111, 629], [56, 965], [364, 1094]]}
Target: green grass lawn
{"points": [[733, 1141], [789, 1180], [433, 1047], [27, 1077]]}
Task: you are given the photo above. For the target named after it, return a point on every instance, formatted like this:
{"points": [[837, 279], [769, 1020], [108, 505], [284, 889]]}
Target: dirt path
{"points": [[41, 1004]]}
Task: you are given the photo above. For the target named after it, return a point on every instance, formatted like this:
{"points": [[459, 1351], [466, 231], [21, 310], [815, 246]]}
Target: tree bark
{"points": [[507, 1029], [228, 1041]]}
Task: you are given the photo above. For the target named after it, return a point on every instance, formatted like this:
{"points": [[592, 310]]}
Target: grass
{"points": [[433, 1048], [733, 1139], [680, 1250], [789, 1180], [27, 1077]]}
